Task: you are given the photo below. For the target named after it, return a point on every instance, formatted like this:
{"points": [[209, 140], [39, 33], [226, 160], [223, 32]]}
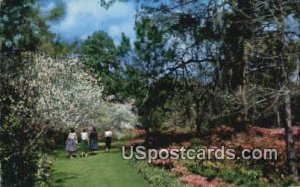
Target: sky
{"points": [[84, 17]]}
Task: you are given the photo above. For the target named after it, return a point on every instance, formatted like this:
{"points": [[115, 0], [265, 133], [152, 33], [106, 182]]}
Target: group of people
{"points": [[88, 142]]}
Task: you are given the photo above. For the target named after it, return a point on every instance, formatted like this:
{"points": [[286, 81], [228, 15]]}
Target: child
{"points": [[71, 143], [84, 144], [108, 137]]}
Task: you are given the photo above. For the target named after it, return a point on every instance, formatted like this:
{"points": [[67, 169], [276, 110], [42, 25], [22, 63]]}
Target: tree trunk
{"points": [[242, 90], [242, 31], [291, 155], [278, 119], [283, 60], [198, 118]]}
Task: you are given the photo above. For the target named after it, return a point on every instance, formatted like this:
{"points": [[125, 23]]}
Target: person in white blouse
{"points": [[108, 138], [71, 143], [84, 143]]}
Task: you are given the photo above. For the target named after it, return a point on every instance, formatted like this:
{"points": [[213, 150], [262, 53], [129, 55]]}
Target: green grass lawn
{"points": [[101, 170]]}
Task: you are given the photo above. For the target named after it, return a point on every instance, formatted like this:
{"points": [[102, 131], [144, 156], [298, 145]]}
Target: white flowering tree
{"points": [[59, 92]]}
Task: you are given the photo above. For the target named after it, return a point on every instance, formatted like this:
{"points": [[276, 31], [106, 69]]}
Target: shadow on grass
{"points": [[58, 178], [112, 151]]}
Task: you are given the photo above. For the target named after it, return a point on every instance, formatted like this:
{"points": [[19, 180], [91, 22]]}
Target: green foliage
{"points": [[18, 159], [197, 142], [229, 176], [167, 107], [113, 64], [208, 172], [156, 176], [57, 13], [18, 25], [150, 46], [100, 56], [135, 85], [23, 27], [153, 107], [124, 46]]}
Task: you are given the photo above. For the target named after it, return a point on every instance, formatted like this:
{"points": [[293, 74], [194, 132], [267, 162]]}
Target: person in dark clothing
{"points": [[108, 137], [94, 140]]}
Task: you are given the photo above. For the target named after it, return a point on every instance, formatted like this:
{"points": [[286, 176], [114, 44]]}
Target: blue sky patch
{"points": [[84, 17]]}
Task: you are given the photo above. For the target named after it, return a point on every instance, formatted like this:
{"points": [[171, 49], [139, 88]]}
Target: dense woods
{"points": [[194, 67]]}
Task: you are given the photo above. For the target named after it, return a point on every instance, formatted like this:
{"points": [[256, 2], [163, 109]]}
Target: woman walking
{"points": [[94, 140], [108, 137], [71, 143], [84, 144]]}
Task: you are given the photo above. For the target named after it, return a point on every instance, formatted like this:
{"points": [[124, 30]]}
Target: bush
{"points": [[229, 176], [18, 159], [213, 169], [44, 169], [156, 176], [209, 173], [19, 170], [196, 143]]}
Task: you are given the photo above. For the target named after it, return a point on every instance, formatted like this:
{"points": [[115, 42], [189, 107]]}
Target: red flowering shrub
{"points": [[167, 164], [180, 170], [272, 133], [257, 137], [223, 132], [247, 146], [200, 181], [223, 129], [135, 142], [186, 144], [214, 138], [139, 132], [214, 147]]}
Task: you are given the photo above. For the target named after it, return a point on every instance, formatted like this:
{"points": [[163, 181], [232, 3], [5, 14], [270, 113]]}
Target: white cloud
{"points": [[48, 7], [84, 37], [85, 17], [115, 31]]}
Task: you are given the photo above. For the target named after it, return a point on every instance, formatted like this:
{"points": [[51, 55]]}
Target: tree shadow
{"points": [[112, 151], [59, 178]]}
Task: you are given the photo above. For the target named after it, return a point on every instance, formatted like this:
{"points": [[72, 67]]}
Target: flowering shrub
{"points": [[260, 138], [128, 134], [200, 181], [44, 169], [179, 169], [167, 164], [116, 115], [229, 171], [139, 132], [223, 130], [186, 144], [272, 133], [135, 142]]}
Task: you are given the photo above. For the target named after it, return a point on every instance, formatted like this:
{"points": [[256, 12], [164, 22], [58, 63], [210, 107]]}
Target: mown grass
{"points": [[103, 170]]}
